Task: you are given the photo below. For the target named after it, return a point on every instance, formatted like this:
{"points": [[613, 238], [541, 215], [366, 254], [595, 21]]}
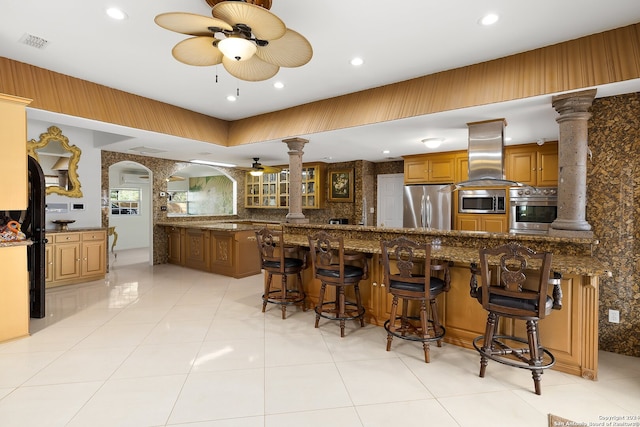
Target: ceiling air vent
{"points": [[34, 41]]}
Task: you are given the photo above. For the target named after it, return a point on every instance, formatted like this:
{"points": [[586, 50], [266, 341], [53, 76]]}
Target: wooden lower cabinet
{"points": [[568, 333], [14, 288], [75, 257], [482, 222], [229, 253]]}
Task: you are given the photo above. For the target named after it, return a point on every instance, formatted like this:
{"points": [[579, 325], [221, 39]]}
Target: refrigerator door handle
{"points": [[422, 218], [428, 211]]}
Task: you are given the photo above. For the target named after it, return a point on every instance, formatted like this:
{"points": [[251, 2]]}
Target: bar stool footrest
{"points": [[414, 331], [512, 355], [351, 309]]}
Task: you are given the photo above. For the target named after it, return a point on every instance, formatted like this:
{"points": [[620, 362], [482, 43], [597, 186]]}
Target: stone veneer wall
{"points": [[365, 186], [161, 170], [613, 210]]}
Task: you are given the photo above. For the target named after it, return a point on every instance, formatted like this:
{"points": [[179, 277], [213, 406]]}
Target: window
{"points": [[125, 201]]}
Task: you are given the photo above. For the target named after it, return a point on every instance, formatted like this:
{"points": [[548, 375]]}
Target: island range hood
{"points": [[486, 156]]}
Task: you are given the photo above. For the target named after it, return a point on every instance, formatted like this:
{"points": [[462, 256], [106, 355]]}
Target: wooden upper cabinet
{"points": [[430, 168], [271, 190], [533, 164], [462, 166], [13, 134]]}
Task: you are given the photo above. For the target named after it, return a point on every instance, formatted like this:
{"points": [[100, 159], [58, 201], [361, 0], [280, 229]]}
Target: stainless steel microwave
{"points": [[477, 201]]}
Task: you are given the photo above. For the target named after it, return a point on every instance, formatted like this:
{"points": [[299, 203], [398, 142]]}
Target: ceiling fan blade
{"points": [[264, 24], [197, 51], [189, 23], [252, 70], [290, 50]]}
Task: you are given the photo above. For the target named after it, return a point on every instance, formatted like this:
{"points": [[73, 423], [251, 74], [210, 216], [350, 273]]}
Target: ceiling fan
{"points": [[250, 41], [258, 168]]}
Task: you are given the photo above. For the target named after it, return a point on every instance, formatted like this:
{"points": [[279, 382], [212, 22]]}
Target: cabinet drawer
{"points": [[93, 235], [65, 238]]}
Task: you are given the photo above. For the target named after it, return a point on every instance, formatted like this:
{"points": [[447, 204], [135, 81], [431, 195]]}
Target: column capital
{"points": [[574, 102], [295, 144]]}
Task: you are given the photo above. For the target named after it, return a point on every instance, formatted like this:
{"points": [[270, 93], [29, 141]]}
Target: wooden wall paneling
{"points": [[65, 94], [593, 60]]}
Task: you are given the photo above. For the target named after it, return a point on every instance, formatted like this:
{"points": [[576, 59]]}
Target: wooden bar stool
{"points": [[330, 266], [274, 260], [518, 290], [412, 280]]}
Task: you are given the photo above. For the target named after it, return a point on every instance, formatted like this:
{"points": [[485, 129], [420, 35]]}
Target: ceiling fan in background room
{"points": [[258, 168], [246, 38]]}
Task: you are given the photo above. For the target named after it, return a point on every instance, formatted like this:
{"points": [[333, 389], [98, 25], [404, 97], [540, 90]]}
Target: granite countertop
{"points": [[73, 230], [444, 233], [566, 264], [209, 225], [16, 243]]}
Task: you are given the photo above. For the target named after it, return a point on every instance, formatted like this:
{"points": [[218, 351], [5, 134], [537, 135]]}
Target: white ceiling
{"points": [[397, 40]]}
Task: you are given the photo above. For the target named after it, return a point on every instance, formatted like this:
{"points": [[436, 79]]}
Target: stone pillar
{"points": [[572, 163], [295, 145]]}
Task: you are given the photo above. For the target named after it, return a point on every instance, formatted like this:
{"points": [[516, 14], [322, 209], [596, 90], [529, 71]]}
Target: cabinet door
{"points": [[467, 222], [548, 167], [494, 224], [197, 249], [442, 169], [415, 171], [94, 256], [521, 166], [66, 261], [462, 167], [175, 252], [222, 249]]}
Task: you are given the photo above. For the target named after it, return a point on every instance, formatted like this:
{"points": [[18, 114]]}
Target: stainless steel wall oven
{"points": [[532, 209]]}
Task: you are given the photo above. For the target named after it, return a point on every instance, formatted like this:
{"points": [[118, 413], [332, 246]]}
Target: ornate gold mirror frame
{"points": [[54, 134]]}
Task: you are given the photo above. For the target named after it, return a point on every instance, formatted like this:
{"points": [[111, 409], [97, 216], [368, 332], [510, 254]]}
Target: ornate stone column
{"points": [[295, 145], [572, 163]]}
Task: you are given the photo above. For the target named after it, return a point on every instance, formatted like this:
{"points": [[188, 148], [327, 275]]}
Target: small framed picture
{"points": [[341, 185]]}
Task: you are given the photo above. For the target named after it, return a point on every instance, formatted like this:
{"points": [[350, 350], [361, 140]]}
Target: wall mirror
{"points": [[59, 162], [198, 190]]}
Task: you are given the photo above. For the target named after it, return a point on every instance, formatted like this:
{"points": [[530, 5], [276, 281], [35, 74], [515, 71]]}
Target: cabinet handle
{"points": [[374, 284], [67, 238], [540, 169], [533, 169]]}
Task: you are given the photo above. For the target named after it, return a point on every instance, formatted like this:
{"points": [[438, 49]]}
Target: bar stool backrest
{"points": [[508, 285]]}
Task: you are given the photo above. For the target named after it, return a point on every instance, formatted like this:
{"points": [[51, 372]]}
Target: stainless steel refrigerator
{"points": [[426, 206]]}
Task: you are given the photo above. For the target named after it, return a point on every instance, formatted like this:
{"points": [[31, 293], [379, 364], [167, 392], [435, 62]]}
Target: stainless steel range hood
{"points": [[486, 162]]}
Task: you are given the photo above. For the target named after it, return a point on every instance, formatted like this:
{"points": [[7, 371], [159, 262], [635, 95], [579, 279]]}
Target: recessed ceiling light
{"points": [[116, 13], [278, 85], [489, 19], [231, 98], [356, 62], [386, 152], [432, 142]]}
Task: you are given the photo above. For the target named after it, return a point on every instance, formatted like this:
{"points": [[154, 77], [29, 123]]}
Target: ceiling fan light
{"points": [[255, 173], [237, 48]]}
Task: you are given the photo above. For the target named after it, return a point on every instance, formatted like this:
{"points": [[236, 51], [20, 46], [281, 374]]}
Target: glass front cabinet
{"points": [[271, 190]]}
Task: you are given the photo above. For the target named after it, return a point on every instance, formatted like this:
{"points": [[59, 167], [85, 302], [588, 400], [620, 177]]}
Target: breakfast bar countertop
{"points": [[463, 247]]}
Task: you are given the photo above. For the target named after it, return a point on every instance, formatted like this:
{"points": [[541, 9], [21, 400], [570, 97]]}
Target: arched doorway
{"points": [[130, 215]]}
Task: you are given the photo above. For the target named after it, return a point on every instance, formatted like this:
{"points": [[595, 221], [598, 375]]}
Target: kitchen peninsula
{"points": [[229, 248], [220, 247], [571, 333]]}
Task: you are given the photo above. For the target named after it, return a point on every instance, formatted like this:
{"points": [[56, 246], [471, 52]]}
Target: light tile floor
{"points": [[169, 346]]}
